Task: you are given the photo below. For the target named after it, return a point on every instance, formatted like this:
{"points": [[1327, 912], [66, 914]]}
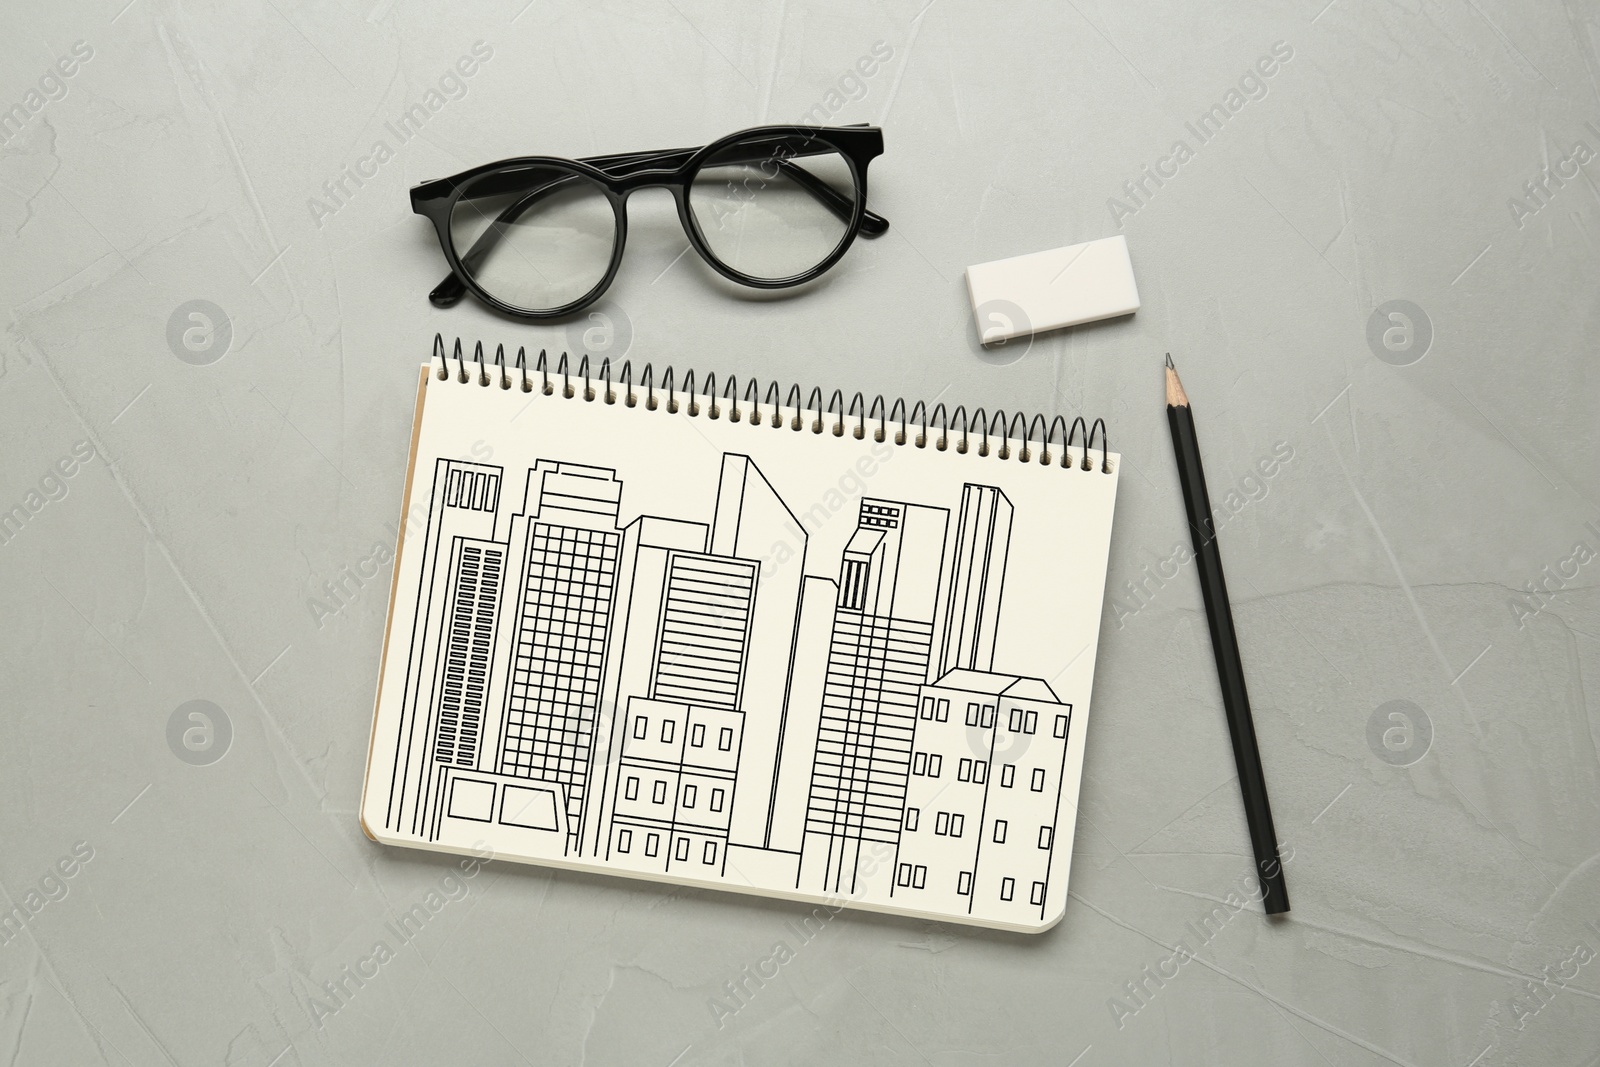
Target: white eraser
{"points": [[1051, 289]]}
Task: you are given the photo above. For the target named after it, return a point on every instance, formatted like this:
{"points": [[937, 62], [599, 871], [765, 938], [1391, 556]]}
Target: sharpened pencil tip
{"points": [[1176, 397]]}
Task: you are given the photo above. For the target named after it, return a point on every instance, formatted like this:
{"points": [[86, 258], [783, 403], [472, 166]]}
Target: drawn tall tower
{"points": [[675, 740], [565, 546], [446, 704], [879, 657], [648, 545], [706, 627], [750, 519], [970, 612]]}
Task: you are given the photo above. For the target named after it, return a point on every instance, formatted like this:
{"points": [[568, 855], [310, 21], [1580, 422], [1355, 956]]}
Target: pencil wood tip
{"points": [[1176, 397]]}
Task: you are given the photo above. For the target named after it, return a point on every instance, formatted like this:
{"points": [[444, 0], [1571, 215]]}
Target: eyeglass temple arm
{"points": [[872, 224], [843, 207], [451, 289]]}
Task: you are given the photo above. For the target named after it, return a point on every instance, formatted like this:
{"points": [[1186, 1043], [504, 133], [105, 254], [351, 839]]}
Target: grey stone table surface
{"points": [[193, 497]]}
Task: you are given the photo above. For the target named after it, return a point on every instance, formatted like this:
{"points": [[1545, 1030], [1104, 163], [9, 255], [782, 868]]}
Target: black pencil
{"points": [[1225, 647]]}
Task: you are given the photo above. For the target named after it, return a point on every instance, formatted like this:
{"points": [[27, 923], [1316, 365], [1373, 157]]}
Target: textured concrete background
{"points": [[195, 890]]}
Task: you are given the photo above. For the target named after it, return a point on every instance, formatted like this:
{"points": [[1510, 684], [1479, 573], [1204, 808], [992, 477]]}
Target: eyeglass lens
{"points": [[770, 214], [537, 239]]}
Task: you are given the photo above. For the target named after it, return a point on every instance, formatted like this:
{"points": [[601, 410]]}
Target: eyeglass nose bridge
{"points": [[624, 187], [627, 184], [672, 180]]}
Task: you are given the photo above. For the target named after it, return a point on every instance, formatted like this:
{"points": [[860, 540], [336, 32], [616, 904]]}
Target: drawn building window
{"points": [[632, 790], [988, 716], [1008, 774], [903, 875], [935, 764], [1038, 780], [468, 639], [927, 707], [666, 731], [532, 808], [683, 849], [958, 823], [710, 854], [964, 771], [1037, 896], [1008, 888], [1061, 726], [659, 792], [697, 736], [880, 516], [688, 796], [944, 710], [640, 725], [972, 714], [1000, 831], [911, 818], [716, 800], [725, 739], [919, 763], [1030, 722], [964, 883], [919, 877], [1016, 720], [853, 585], [1044, 837], [980, 771], [941, 825], [652, 844], [474, 490], [624, 840]]}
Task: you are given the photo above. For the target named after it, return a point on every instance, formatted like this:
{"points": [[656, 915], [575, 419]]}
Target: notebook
{"points": [[701, 636]]}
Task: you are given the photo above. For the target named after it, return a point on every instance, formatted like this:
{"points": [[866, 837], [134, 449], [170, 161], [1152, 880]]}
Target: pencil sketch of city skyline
{"points": [[655, 696]]}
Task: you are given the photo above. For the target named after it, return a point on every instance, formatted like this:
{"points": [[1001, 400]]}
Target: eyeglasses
{"points": [[540, 237]]}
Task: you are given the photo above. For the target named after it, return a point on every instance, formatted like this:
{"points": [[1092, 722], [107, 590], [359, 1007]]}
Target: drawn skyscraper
{"points": [[750, 519], [879, 657], [675, 743], [648, 545], [446, 703], [565, 548], [706, 628], [970, 614], [819, 598]]}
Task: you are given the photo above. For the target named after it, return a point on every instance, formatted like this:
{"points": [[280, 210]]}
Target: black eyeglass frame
{"points": [[619, 176]]}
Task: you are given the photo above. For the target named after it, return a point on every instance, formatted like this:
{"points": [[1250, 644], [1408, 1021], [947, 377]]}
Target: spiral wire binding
{"points": [[853, 417]]}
